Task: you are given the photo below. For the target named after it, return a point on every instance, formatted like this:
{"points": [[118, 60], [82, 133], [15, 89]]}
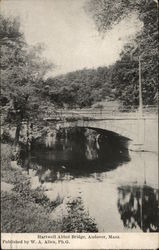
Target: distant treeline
{"points": [[121, 80], [81, 88]]}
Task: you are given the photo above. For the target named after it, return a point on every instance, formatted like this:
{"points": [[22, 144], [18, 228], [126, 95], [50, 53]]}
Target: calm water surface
{"points": [[118, 188]]}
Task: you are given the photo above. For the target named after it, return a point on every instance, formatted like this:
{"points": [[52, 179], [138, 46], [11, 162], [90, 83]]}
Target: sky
{"points": [[69, 35]]}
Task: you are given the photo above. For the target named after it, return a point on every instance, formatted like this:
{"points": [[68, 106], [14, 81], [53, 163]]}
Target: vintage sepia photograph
{"points": [[79, 117]]}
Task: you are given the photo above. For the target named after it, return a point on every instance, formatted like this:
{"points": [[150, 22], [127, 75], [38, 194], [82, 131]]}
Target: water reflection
{"points": [[79, 152], [138, 206], [118, 188]]}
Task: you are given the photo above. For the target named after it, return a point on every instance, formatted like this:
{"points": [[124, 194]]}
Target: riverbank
{"points": [[23, 209], [27, 210]]}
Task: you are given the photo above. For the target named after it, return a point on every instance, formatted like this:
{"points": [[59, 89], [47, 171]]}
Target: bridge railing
{"points": [[102, 113], [112, 111]]}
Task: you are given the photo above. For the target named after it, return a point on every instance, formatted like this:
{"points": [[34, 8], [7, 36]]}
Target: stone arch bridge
{"points": [[142, 131]]}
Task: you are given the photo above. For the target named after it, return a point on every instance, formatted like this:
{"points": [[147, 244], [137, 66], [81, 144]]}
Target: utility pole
{"points": [[141, 126], [140, 90]]}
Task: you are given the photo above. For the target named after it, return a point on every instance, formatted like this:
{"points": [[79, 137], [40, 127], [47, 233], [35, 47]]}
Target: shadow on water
{"points": [[94, 166], [78, 151], [138, 207]]}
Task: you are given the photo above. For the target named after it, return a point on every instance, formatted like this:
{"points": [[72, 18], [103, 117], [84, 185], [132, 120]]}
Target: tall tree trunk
{"points": [[18, 128], [17, 133]]}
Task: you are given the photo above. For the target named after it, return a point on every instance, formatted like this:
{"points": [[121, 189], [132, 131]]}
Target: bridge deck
{"points": [[102, 114]]}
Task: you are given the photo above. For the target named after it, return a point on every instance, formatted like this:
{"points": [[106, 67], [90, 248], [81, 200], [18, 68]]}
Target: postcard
{"points": [[79, 124]]}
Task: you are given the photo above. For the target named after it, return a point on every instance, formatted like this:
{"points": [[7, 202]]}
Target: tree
{"points": [[134, 201], [22, 73], [106, 14], [80, 88]]}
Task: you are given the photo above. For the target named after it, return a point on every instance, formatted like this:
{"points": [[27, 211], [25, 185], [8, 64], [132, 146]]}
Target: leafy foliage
{"points": [[80, 88], [78, 220], [23, 209], [22, 72], [106, 14]]}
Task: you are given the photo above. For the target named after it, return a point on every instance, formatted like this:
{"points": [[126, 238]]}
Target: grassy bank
{"points": [[28, 210], [23, 209]]}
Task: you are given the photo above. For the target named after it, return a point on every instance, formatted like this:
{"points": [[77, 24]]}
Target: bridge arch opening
{"points": [[112, 137], [80, 150]]}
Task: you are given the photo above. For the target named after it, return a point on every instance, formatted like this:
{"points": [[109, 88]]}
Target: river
{"points": [[118, 188]]}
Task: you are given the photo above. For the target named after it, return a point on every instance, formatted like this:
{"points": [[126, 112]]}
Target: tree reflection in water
{"points": [[138, 206], [76, 151]]}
